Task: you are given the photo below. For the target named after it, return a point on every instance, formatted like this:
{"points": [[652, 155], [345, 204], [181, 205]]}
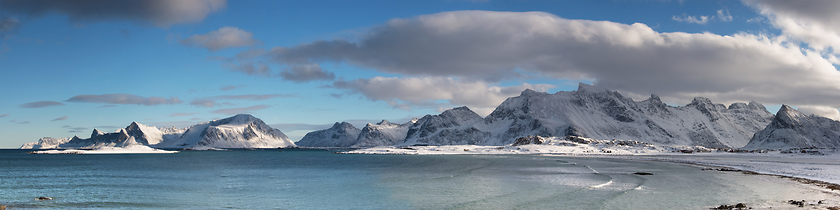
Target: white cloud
{"points": [[404, 93], [494, 46], [225, 37], [691, 19], [823, 111], [814, 22], [162, 13], [60, 118], [723, 15]]}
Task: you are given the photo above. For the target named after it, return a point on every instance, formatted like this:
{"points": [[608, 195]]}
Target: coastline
{"points": [[817, 175], [830, 191]]}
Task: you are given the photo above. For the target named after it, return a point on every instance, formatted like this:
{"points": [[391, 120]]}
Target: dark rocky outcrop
{"points": [[525, 140]]}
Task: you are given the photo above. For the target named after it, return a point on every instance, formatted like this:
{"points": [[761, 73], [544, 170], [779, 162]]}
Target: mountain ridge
{"points": [[592, 112], [239, 131]]}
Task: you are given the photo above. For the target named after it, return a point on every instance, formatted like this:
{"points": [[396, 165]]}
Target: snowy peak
{"points": [[382, 134], [788, 117], [96, 133], [757, 106], [386, 123], [239, 119], [529, 92], [453, 126], [341, 134], [793, 129], [239, 131], [460, 113], [590, 89], [146, 135]]}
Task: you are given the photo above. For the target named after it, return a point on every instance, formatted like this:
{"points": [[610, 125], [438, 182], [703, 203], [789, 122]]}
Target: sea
{"points": [[320, 179]]}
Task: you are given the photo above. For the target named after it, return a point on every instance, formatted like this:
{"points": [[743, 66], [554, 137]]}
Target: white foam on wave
{"points": [[601, 185]]}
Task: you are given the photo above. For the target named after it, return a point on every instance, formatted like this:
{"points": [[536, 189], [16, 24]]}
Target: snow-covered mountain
{"points": [[341, 134], [240, 131], [599, 113], [793, 129], [383, 133], [453, 126], [47, 143], [591, 112], [98, 139]]}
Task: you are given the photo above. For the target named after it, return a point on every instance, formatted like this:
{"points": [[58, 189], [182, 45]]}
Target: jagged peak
{"points": [[654, 97], [529, 92], [738, 105], [787, 117], [756, 105], [133, 126], [461, 109], [95, 133], [343, 125], [785, 109], [700, 101], [384, 122], [705, 103], [587, 88]]}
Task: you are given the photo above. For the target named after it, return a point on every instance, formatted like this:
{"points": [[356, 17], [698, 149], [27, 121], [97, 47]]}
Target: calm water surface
{"points": [[311, 179]]}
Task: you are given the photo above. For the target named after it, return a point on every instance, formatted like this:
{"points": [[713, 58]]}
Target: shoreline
{"points": [[822, 187], [817, 175], [832, 187]]}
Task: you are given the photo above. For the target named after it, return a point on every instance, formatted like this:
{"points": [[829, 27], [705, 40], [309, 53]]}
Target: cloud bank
{"points": [[635, 59], [122, 98], [41, 104], [161, 13], [306, 73], [428, 91], [815, 22]]}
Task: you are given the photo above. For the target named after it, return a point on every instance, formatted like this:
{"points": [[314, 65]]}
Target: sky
{"points": [[67, 67]]}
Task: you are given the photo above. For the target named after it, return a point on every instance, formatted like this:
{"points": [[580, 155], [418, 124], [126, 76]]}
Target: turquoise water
{"points": [[311, 179]]}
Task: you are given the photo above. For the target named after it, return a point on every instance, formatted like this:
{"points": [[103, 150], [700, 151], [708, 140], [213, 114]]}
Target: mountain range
{"points": [[590, 111], [597, 113], [240, 131]]}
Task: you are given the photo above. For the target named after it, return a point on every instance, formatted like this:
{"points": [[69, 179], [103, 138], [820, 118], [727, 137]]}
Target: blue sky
{"points": [[67, 68]]}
